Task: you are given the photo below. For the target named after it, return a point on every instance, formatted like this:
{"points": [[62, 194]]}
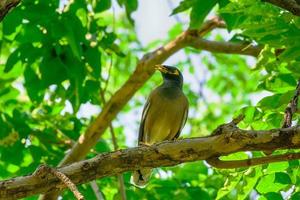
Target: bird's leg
{"points": [[178, 138]]}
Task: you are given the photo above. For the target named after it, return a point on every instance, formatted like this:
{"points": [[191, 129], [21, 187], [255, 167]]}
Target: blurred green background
{"points": [[57, 57]]}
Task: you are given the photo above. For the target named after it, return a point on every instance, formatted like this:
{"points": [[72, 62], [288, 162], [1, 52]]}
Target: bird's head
{"points": [[170, 74]]}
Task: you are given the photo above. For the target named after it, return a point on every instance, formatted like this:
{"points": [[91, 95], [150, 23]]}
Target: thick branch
{"points": [[231, 139], [225, 47], [6, 5], [289, 5]]}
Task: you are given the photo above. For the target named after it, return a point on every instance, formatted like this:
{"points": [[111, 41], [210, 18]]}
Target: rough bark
{"points": [[6, 6], [228, 139], [290, 5], [291, 108]]}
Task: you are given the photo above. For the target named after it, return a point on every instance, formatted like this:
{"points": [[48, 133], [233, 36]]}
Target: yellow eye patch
{"points": [[176, 72]]}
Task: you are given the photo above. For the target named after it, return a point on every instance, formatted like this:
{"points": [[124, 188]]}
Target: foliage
{"points": [[55, 65]]}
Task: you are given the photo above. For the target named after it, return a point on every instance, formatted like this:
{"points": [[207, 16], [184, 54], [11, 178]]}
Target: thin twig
{"points": [[96, 190], [290, 5], [108, 77], [43, 171], [291, 108], [113, 135], [115, 144]]}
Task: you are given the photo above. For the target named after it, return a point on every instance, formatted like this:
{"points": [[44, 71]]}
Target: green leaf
{"points": [[74, 34], [291, 53], [275, 101], [230, 184], [12, 60], [12, 21], [7, 94], [233, 19], [295, 196], [33, 85], [272, 183], [248, 182], [197, 193], [199, 11], [236, 156], [183, 6], [29, 53], [271, 196], [274, 119], [29, 34], [130, 6], [102, 5], [108, 40], [91, 92], [102, 146], [283, 178], [251, 114], [53, 71], [93, 58], [294, 67], [82, 16], [280, 83], [190, 171]]}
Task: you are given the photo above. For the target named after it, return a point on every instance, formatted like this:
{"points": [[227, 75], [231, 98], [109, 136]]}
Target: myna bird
{"points": [[163, 117]]}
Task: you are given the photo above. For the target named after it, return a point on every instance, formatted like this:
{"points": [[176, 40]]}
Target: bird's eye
{"points": [[176, 72]]}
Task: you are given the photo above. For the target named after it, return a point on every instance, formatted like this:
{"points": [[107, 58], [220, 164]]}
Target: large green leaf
{"points": [[102, 5], [53, 71], [130, 6], [273, 182], [183, 6], [12, 60], [33, 85], [199, 11]]}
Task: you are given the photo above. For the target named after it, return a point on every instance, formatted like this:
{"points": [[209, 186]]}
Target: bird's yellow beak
{"points": [[165, 70], [161, 68]]}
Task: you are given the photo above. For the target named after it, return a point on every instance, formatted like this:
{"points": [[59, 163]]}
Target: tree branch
{"points": [[169, 153], [291, 108], [216, 162], [225, 47], [6, 5], [289, 5], [43, 171]]}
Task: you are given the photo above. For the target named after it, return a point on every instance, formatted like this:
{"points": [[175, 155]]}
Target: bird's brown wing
{"points": [[145, 112], [183, 121]]}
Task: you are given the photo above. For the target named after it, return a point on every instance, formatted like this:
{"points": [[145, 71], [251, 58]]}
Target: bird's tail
{"points": [[141, 177]]}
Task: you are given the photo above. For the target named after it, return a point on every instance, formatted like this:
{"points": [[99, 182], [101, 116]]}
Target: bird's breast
{"points": [[164, 116]]}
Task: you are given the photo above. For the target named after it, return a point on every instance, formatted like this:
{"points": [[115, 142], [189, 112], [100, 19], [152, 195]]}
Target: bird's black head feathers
{"points": [[171, 75]]}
